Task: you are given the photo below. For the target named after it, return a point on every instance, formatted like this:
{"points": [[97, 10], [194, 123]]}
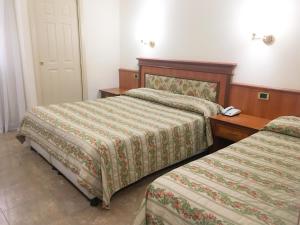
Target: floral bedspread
{"points": [[110, 143], [255, 181]]}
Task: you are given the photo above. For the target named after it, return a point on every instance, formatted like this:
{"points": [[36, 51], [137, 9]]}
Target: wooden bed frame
{"points": [[220, 73]]}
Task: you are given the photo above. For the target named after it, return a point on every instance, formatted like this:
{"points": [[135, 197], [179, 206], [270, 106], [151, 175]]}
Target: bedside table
{"points": [[112, 92], [227, 130]]}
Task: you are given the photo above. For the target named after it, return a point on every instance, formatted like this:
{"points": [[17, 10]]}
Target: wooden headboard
{"points": [[219, 73]]}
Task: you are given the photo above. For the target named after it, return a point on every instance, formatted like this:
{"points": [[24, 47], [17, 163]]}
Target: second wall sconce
{"points": [[151, 44], [267, 39]]}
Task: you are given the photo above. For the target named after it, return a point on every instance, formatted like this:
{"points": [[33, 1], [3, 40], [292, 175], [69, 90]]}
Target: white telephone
{"points": [[231, 111]]}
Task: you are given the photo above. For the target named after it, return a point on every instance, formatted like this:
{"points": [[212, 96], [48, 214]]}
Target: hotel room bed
{"points": [[107, 144], [254, 181], [104, 145]]}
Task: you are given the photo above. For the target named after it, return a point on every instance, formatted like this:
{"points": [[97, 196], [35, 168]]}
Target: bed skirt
{"points": [[60, 167]]}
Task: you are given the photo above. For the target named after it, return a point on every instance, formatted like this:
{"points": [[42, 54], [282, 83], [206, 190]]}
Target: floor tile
{"points": [[31, 193], [34, 213], [2, 219], [20, 194]]}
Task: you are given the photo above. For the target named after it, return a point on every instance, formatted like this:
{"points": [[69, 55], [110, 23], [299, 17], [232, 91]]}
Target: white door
{"points": [[57, 49]]}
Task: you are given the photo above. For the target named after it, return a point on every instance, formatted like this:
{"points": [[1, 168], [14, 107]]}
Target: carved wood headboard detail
{"points": [[220, 73]]}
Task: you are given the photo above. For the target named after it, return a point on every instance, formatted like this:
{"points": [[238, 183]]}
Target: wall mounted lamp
{"points": [[151, 44], [267, 39]]}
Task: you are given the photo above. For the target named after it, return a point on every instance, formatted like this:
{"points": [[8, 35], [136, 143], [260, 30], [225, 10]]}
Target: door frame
{"points": [[82, 53]]}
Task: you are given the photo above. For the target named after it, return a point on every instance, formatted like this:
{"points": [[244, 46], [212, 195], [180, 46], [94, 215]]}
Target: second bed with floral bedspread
{"points": [[255, 181], [110, 143]]}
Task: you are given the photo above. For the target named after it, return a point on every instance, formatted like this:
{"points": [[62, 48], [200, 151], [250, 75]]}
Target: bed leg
{"points": [[94, 202]]}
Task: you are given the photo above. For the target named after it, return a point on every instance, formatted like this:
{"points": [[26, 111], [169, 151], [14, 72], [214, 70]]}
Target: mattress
{"points": [[254, 181], [110, 143]]}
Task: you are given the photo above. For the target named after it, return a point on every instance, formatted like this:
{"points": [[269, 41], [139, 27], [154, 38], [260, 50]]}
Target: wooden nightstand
{"points": [[227, 130], [112, 92]]}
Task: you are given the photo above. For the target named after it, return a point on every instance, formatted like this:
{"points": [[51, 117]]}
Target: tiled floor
{"points": [[32, 193]]}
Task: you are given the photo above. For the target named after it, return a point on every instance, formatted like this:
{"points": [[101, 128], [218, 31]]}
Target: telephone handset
{"points": [[231, 111]]}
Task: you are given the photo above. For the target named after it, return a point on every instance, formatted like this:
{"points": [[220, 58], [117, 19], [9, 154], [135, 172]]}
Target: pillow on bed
{"points": [[289, 125], [183, 102]]}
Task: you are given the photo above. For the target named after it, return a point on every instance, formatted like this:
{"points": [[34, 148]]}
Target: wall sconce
{"points": [[150, 43], [267, 39]]}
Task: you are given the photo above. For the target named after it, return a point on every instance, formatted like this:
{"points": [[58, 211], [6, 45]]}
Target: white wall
{"points": [[217, 30], [101, 43]]}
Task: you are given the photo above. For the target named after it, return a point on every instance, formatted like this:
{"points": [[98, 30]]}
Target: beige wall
{"points": [[101, 43], [192, 29], [217, 30]]}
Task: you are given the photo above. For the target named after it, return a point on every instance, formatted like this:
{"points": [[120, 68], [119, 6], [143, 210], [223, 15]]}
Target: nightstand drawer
{"points": [[107, 94], [231, 132], [112, 92], [227, 130]]}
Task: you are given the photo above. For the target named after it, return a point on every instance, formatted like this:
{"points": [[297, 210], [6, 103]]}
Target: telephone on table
{"points": [[231, 111]]}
